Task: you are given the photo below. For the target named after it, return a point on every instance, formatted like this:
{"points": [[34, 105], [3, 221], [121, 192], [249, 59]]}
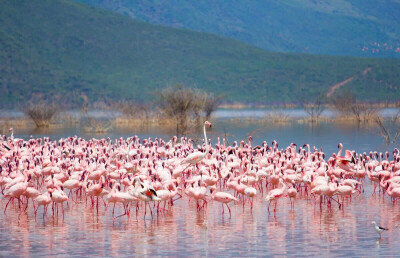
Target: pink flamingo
{"points": [[32, 193], [345, 190], [292, 193], [58, 196], [344, 162], [43, 200], [122, 197], [223, 198], [250, 192], [16, 190], [393, 192], [95, 190], [165, 195], [275, 194]]}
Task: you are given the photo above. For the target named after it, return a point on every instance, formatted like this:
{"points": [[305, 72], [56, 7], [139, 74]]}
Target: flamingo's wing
{"points": [[191, 157]]}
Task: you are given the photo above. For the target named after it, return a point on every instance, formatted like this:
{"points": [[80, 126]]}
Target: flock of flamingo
{"points": [[153, 174]]}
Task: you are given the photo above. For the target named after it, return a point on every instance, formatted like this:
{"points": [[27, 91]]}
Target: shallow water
{"points": [[325, 135], [289, 112], [305, 230]]}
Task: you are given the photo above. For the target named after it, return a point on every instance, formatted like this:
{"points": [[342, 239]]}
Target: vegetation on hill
{"points": [[359, 27], [67, 52]]}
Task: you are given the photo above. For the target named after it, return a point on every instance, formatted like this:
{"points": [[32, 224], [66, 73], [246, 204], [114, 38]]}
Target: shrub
{"points": [[389, 128], [347, 105], [314, 109], [41, 113], [183, 104]]}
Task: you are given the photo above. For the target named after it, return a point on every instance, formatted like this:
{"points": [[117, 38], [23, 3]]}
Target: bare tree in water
{"points": [[347, 104], [314, 108], [185, 105], [389, 128], [41, 112]]}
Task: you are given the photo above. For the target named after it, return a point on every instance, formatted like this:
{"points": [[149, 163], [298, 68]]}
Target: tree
{"points": [[41, 112], [183, 104], [314, 108], [347, 104], [210, 104], [389, 129]]}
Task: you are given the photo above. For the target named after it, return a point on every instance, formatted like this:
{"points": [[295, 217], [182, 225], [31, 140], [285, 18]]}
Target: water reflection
{"points": [[306, 229], [220, 113]]}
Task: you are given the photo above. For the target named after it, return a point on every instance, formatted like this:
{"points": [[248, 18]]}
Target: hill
{"points": [[64, 50], [356, 28]]}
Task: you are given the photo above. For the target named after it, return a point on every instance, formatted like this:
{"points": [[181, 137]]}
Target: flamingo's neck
{"points": [[206, 141], [283, 185], [340, 151]]}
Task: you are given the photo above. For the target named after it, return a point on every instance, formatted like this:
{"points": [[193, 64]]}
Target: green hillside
{"points": [[60, 50], [340, 27]]}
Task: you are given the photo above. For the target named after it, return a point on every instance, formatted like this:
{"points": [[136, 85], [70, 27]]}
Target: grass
{"points": [[101, 126], [7, 123], [70, 53], [278, 117]]}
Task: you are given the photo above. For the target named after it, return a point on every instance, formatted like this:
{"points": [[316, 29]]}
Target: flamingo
{"points": [[72, 184], [44, 166], [95, 190], [165, 194], [200, 193], [43, 200], [58, 196], [250, 192], [122, 197], [223, 198], [292, 192], [275, 194], [344, 162], [198, 156], [345, 190], [393, 192], [16, 190], [31, 192], [144, 192]]}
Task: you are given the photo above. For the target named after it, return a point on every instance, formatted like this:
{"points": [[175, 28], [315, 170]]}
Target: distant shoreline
{"points": [[291, 105]]}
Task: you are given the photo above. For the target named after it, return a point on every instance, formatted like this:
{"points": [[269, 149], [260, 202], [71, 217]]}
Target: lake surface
{"points": [[182, 231], [290, 112], [219, 113], [325, 135], [304, 230]]}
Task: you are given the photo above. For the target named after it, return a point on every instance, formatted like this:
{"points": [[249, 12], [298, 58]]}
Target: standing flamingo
{"points": [[344, 162], [223, 198], [144, 192], [58, 196], [197, 156], [43, 200], [16, 190], [292, 192], [275, 194], [250, 192]]}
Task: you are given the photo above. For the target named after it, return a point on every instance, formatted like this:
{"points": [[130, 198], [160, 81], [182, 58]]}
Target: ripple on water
{"points": [[306, 230]]}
